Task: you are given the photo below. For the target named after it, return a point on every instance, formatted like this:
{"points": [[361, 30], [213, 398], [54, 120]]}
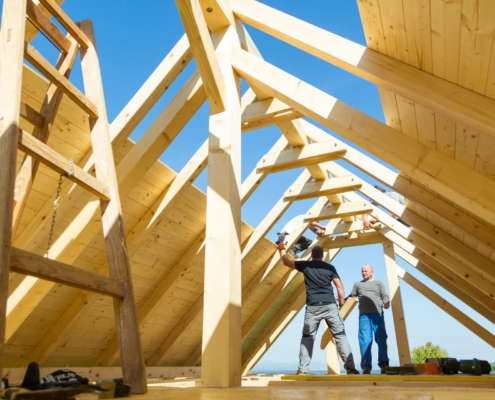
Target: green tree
{"points": [[493, 366], [429, 350]]}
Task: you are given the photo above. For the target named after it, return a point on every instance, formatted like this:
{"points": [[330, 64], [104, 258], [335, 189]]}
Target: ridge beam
{"points": [[204, 53], [347, 209], [322, 188], [302, 156]]}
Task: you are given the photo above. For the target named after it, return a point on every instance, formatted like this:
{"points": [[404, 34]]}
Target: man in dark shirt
{"points": [[320, 304]]}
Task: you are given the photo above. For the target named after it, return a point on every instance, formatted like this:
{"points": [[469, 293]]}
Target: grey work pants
{"points": [[312, 318]]}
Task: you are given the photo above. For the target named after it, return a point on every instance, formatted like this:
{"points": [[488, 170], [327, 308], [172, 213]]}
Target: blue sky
{"points": [[133, 36]]}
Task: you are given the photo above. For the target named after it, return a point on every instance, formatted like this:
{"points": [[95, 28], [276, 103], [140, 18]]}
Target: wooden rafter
{"points": [[413, 158]]}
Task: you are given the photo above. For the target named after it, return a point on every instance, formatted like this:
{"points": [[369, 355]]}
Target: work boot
{"points": [[382, 366], [301, 373], [352, 371], [366, 371]]}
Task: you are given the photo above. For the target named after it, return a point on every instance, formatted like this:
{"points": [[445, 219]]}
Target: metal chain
{"points": [[55, 206]]}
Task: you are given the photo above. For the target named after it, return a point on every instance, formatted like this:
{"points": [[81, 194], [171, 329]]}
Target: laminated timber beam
{"points": [[311, 190], [120, 129], [303, 156], [346, 227], [11, 60], [470, 226], [204, 53], [454, 312], [266, 113], [454, 286], [352, 239], [292, 130], [421, 228], [31, 29], [417, 160], [221, 334], [348, 209], [217, 14], [439, 95], [396, 304], [485, 288]]}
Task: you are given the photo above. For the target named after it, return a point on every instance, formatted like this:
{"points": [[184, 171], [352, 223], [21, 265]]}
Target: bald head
{"points": [[367, 272]]}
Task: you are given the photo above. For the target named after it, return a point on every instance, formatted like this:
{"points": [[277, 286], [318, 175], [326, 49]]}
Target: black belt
{"points": [[320, 303]]}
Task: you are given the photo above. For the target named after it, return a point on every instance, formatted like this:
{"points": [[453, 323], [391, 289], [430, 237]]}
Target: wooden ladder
{"points": [[15, 191]]}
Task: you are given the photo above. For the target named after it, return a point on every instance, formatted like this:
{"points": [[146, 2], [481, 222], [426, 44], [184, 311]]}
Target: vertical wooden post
{"points": [[396, 302], [127, 324], [221, 358], [11, 58]]}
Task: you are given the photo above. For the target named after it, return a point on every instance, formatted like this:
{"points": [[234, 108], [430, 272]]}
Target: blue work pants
{"points": [[372, 325]]}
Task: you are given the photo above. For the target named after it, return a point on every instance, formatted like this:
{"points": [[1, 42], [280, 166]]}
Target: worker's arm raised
{"points": [[285, 259]]}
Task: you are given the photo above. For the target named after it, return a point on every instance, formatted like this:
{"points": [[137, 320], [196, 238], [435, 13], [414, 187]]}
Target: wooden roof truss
{"points": [[209, 288]]}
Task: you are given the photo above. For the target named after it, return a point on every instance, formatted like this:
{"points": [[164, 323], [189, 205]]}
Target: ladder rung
{"points": [[58, 79], [43, 23], [32, 116], [24, 262], [46, 155], [66, 22]]}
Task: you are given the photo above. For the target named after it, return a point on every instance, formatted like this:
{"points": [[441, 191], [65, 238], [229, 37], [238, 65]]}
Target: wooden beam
{"points": [[31, 30], [126, 321], [217, 14], [409, 190], [345, 227], [66, 22], [222, 298], [290, 129], [27, 263], [352, 239], [322, 188], [58, 79], [256, 177], [415, 159], [338, 211], [477, 280], [423, 229], [49, 108], [439, 95], [44, 154], [204, 53], [43, 23], [447, 280], [32, 116], [265, 113], [454, 312], [271, 219], [150, 92], [396, 304], [11, 50], [300, 157]]}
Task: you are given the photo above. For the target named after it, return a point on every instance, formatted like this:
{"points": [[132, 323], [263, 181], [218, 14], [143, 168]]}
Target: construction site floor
{"points": [[317, 387]]}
